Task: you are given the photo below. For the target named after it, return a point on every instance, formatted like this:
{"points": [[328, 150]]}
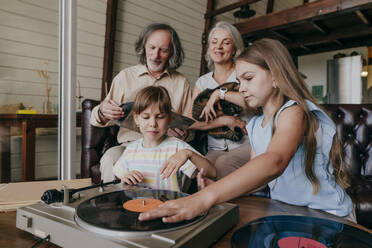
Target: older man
{"points": [[160, 53]]}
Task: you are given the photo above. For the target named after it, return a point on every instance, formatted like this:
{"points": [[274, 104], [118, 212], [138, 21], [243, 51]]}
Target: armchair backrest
{"points": [[95, 141], [354, 128]]}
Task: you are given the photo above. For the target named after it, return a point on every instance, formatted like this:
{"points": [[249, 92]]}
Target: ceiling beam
{"points": [[362, 17], [338, 42], [269, 6], [341, 33], [332, 47], [280, 35], [309, 12], [227, 8], [319, 27]]}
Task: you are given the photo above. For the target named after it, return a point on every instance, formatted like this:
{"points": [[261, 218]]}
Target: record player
{"points": [[97, 218]]}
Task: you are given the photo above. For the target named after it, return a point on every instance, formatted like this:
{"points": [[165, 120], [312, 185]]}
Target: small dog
{"points": [[227, 108]]}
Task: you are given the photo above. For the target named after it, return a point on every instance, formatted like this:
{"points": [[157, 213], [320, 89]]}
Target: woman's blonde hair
{"points": [[150, 95], [272, 56]]}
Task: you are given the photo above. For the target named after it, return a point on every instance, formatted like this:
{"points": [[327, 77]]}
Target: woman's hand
{"points": [[133, 177], [232, 122], [111, 110], [208, 112], [173, 163], [184, 208]]}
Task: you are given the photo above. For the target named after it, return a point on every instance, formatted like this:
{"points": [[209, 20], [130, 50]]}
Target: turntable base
{"points": [[60, 222]]}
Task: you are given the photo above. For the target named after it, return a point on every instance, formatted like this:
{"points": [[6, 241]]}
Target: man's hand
{"points": [[111, 110]]}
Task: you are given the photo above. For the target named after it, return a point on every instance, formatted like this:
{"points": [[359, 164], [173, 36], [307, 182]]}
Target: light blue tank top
{"points": [[292, 186]]}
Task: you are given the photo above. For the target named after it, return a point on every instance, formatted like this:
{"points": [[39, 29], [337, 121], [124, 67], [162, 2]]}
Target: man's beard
{"points": [[155, 67]]}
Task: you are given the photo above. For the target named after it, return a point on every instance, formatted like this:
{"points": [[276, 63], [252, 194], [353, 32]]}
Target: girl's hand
{"points": [[184, 208], [208, 112], [232, 122], [111, 110], [202, 180], [133, 177], [175, 162]]}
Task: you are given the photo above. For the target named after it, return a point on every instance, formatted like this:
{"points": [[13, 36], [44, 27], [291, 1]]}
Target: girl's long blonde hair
{"points": [[271, 55]]}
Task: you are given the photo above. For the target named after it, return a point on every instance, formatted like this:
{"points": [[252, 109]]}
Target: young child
{"points": [[157, 160], [294, 144]]}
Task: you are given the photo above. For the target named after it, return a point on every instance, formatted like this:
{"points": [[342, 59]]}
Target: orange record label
{"points": [[142, 204]]}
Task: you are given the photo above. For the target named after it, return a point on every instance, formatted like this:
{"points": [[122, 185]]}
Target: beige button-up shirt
{"points": [[130, 80]]}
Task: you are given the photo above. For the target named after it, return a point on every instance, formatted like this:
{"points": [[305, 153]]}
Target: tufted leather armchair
{"points": [[354, 127]]}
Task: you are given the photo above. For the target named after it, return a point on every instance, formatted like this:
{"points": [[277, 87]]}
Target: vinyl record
{"points": [[299, 231], [105, 213]]}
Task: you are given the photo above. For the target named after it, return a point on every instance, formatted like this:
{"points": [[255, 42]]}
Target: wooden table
{"points": [[250, 208], [28, 123]]}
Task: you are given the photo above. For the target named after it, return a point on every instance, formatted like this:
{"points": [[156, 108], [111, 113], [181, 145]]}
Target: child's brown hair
{"points": [[152, 95]]}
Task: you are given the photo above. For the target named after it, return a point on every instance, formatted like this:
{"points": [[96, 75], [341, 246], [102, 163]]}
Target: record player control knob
{"points": [[66, 195]]}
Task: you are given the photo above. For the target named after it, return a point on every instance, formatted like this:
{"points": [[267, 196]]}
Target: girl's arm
{"points": [[230, 96], [255, 173], [178, 159], [202, 163]]}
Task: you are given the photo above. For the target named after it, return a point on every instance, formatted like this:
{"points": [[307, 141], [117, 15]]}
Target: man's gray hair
{"points": [[176, 54], [235, 35]]}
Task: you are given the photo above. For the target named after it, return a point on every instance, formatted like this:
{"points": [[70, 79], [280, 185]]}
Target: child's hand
{"points": [[133, 177], [202, 180], [174, 163]]}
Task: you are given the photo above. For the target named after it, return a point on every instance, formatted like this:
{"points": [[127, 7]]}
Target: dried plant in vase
{"points": [[44, 74], [79, 96]]}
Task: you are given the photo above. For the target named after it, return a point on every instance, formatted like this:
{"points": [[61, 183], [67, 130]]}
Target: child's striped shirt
{"points": [[148, 162]]}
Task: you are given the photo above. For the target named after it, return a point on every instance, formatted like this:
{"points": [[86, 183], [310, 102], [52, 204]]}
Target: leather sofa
{"points": [[354, 127]]}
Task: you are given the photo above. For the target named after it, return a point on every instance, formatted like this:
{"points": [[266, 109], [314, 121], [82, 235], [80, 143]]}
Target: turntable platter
{"points": [[105, 213]]}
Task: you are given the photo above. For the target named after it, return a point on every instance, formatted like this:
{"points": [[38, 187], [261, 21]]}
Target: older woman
{"points": [[224, 44]]}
